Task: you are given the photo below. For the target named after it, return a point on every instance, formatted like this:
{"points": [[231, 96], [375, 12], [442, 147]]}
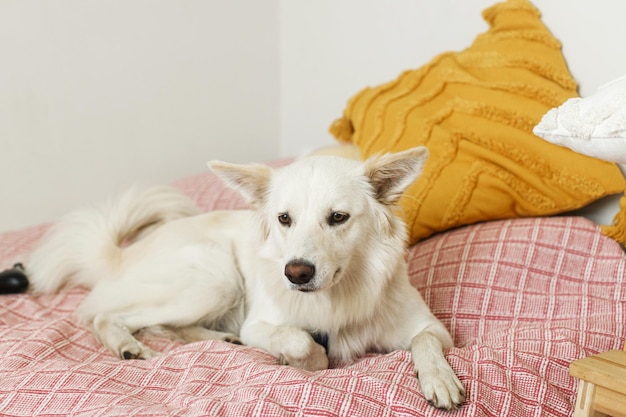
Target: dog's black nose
{"points": [[299, 271]]}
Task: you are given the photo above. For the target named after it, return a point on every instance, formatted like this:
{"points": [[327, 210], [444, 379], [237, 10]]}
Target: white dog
{"points": [[322, 254]]}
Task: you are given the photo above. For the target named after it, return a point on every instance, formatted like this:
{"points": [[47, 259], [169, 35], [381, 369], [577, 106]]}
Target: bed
{"points": [[521, 297], [524, 286]]}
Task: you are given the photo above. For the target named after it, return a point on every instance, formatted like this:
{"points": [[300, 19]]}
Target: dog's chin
{"points": [[306, 290]]}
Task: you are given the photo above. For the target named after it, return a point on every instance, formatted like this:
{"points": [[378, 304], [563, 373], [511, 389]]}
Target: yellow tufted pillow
{"points": [[475, 111]]}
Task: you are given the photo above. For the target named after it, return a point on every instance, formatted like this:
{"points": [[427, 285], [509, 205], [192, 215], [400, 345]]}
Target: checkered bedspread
{"points": [[522, 299]]}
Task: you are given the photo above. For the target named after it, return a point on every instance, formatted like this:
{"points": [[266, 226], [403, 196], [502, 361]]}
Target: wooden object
{"points": [[602, 386]]}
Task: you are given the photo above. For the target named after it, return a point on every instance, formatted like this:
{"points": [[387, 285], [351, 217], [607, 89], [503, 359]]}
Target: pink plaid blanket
{"points": [[522, 299]]}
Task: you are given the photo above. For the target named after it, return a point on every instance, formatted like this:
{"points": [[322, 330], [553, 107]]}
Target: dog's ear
{"points": [[251, 180], [391, 174]]}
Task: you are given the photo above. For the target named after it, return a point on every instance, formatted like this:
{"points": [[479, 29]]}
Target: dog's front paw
{"points": [[441, 387], [311, 357]]}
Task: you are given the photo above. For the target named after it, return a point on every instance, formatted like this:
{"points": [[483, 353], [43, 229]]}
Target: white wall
{"points": [[331, 49], [98, 94]]}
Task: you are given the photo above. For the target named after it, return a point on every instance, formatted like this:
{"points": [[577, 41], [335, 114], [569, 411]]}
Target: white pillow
{"points": [[594, 125]]}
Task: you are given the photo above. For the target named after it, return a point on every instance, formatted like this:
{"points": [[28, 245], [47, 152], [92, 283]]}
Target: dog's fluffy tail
{"points": [[86, 245]]}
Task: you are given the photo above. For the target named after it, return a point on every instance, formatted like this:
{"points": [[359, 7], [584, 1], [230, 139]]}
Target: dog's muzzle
{"points": [[299, 271]]}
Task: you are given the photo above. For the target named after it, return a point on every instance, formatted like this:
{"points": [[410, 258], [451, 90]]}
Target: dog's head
{"points": [[320, 212]]}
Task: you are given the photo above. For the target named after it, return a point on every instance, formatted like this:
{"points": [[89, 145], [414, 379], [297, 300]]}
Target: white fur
{"points": [[321, 251]]}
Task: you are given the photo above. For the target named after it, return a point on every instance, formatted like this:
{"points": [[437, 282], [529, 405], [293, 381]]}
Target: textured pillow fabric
{"points": [[475, 111], [594, 125]]}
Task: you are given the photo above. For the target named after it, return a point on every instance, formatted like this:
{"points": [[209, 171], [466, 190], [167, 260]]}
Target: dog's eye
{"points": [[337, 217], [284, 219]]}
